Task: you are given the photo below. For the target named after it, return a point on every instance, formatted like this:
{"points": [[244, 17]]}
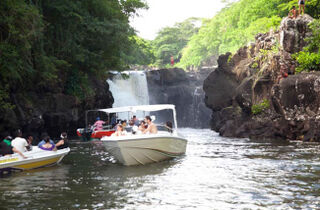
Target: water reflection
{"points": [[216, 173]]}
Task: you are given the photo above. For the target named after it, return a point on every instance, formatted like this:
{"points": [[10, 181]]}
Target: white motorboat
{"points": [[140, 149], [36, 158]]}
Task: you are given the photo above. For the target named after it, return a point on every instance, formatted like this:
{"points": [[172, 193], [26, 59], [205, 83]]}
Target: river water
{"points": [[215, 173]]}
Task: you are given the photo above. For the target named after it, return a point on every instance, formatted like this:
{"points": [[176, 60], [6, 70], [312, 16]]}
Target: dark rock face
{"points": [[293, 32], [184, 90], [52, 113], [255, 76], [221, 84]]}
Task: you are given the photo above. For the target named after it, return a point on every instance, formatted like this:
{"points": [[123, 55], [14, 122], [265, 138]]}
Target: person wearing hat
{"points": [[98, 125]]}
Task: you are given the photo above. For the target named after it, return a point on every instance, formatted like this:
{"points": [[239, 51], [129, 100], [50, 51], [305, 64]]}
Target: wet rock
{"points": [[52, 112], [184, 90], [262, 75]]}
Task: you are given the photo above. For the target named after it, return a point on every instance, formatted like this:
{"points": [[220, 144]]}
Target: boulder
{"points": [[220, 85]]}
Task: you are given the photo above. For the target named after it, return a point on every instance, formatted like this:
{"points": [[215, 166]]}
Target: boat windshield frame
{"points": [[134, 109]]}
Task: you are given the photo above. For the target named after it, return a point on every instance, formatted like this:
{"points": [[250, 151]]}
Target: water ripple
{"points": [[215, 173]]}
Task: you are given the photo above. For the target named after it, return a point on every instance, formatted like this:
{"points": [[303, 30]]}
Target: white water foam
{"points": [[129, 91]]}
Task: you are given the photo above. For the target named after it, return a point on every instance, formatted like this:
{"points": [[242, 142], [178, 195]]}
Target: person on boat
{"points": [[142, 127], [6, 149], [152, 128], [63, 143], [48, 146], [29, 140], [98, 125], [124, 123], [8, 140], [20, 143], [42, 142], [168, 126], [135, 120], [120, 131], [113, 120]]}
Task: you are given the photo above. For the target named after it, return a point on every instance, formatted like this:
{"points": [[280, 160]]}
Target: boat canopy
{"points": [[134, 109], [147, 108]]}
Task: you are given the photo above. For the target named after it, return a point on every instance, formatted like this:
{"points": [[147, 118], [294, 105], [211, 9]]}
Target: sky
{"points": [[162, 13]]}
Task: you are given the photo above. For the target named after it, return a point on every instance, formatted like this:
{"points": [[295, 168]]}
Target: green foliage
{"points": [[20, 24], [4, 98], [308, 61], [255, 65], [309, 58], [56, 45], [171, 40], [231, 28], [259, 108], [141, 52]]}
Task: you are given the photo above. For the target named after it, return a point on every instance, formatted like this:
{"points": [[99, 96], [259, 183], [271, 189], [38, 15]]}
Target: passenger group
{"points": [[20, 145], [145, 126]]}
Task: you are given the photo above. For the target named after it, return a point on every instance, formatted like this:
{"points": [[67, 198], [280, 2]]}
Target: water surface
{"points": [[215, 173]]}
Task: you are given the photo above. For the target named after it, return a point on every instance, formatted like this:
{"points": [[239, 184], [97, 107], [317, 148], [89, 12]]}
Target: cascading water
{"points": [[186, 94], [129, 88]]}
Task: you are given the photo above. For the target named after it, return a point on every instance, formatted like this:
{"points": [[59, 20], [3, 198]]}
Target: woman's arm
{"points": [[17, 151]]}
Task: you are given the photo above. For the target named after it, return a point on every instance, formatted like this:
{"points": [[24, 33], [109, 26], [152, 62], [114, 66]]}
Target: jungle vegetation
{"points": [[58, 45], [234, 26]]}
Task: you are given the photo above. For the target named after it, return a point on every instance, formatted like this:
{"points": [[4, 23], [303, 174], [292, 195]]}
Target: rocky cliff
{"points": [[51, 111], [175, 86], [255, 92]]}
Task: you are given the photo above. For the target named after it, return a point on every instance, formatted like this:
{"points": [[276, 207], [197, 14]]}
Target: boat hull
{"points": [[95, 135], [36, 158], [144, 149]]}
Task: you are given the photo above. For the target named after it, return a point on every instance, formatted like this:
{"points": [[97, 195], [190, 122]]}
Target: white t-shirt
{"points": [[20, 144]]}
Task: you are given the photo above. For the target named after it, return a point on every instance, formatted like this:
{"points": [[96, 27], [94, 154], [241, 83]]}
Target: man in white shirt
{"points": [[20, 143]]}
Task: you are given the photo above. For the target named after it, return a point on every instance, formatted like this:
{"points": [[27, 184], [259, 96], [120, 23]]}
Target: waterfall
{"points": [[196, 106], [129, 88]]}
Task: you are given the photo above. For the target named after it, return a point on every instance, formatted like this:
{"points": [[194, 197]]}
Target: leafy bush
{"points": [[308, 61], [309, 58], [259, 108]]}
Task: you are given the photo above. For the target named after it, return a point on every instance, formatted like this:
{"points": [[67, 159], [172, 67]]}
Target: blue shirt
{"points": [[43, 142]]}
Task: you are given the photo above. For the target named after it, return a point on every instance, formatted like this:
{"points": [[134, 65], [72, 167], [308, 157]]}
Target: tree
{"points": [[233, 27], [171, 40], [59, 45]]}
